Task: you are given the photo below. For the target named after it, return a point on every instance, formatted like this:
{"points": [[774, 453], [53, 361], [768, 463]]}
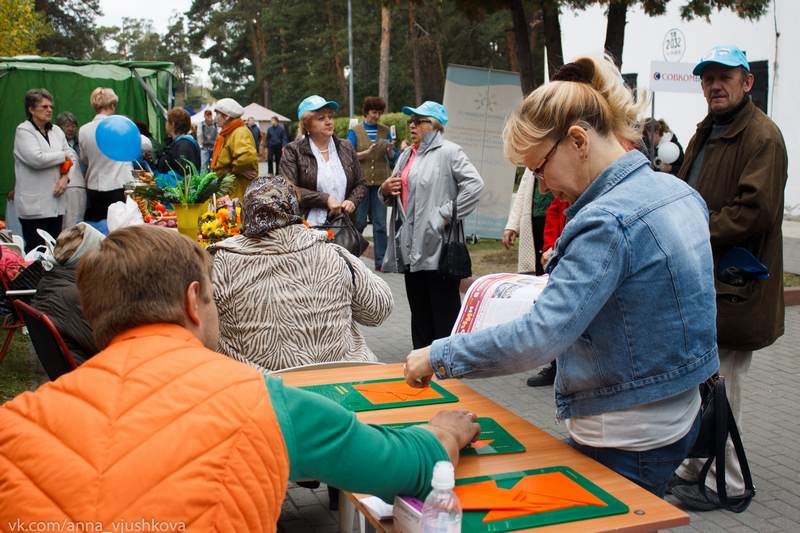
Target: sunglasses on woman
{"points": [[419, 120]]}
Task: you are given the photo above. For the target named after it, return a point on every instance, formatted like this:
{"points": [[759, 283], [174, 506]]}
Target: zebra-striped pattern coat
{"points": [[289, 299]]}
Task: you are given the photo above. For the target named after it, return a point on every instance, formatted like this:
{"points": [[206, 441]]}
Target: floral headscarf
{"points": [[269, 203]]}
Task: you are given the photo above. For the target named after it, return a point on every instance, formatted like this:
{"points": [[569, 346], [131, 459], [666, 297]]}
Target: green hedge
{"points": [[398, 120]]}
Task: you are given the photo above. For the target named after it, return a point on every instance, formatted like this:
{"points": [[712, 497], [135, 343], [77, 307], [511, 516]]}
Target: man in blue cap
{"points": [[737, 161]]}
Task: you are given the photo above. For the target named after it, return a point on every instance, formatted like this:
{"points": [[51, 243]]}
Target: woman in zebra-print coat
{"points": [[286, 297]]}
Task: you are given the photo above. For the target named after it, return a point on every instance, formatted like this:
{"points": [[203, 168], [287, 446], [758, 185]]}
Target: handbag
{"points": [[716, 425], [345, 234], [454, 261]]}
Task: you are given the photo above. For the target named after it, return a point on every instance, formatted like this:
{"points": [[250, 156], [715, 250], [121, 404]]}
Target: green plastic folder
{"points": [[472, 520], [501, 440], [345, 395]]}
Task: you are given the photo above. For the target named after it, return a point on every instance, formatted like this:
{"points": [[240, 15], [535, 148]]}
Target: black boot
{"points": [[545, 377]]}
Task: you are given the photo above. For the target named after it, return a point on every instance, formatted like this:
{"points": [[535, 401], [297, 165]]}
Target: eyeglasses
{"points": [[538, 172], [417, 121], [45, 106]]}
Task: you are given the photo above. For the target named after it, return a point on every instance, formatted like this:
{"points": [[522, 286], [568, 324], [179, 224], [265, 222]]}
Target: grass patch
{"points": [[20, 370], [791, 280], [490, 256]]}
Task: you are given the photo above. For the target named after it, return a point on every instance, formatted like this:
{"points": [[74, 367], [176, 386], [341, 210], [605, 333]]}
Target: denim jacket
{"points": [[629, 311]]}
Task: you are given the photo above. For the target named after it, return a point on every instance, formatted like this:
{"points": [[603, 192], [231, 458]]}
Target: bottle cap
{"points": [[443, 476]]}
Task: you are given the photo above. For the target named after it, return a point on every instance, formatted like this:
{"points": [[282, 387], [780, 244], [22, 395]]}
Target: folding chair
{"points": [[47, 342]]}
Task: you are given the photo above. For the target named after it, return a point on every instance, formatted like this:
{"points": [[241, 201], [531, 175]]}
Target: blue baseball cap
{"points": [[728, 56], [314, 103], [428, 109]]}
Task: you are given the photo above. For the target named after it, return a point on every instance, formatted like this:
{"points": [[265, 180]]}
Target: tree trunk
{"points": [[522, 41], [511, 50], [615, 29], [536, 30], [337, 58], [412, 36], [552, 35], [255, 50], [383, 69]]}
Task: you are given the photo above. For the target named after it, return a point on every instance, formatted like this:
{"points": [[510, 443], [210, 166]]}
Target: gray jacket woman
{"points": [[428, 176]]}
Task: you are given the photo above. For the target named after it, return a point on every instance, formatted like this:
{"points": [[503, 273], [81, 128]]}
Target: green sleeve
{"points": [[328, 443]]}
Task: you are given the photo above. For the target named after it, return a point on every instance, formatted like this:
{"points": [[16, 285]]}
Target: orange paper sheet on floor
{"points": [[531, 494], [394, 391]]}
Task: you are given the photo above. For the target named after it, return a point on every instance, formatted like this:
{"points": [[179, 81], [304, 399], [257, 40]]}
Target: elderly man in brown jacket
{"points": [[737, 161]]}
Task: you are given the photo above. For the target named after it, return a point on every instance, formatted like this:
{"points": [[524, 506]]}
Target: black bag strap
{"points": [[725, 425], [348, 263]]}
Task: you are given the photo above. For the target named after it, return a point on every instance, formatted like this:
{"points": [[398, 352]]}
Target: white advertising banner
{"points": [[673, 78], [478, 101]]}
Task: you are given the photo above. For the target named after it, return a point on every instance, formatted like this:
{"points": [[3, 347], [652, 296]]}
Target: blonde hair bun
{"points": [[589, 91]]}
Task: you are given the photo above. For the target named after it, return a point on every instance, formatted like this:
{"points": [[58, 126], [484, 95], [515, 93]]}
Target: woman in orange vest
{"points": [[160, 431]]}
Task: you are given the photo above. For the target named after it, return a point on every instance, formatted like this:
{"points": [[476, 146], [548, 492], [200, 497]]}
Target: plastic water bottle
{"points": [[441, 512]]}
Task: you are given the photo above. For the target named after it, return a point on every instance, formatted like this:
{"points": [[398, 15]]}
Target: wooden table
{"points": [[647, 512]]}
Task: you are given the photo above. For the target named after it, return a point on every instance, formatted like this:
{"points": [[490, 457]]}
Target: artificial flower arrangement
{"points": [[194, 188], [329, 233], [218, 225]]}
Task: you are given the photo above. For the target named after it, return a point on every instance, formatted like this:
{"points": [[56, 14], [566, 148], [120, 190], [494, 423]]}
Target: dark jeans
{"points": [[651, 469], [274, 156], [434, 301], [538, 242], [51, 225], [97, 203], [371, 204]]}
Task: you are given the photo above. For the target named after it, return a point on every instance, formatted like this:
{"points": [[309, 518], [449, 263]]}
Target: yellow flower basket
{"points": [[188, 215]]}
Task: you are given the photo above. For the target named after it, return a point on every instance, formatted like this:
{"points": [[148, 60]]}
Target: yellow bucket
{"points": [[187, 216]]}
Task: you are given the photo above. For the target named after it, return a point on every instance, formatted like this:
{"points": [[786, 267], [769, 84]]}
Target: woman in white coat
{"points": [[40, 151]]}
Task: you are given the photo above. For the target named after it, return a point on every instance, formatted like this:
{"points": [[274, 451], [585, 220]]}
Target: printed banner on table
{"points": [[497, 298], [478, 102]]}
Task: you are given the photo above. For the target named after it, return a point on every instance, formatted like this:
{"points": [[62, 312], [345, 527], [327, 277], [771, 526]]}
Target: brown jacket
{"points": [[299, 166], [742, 178]]}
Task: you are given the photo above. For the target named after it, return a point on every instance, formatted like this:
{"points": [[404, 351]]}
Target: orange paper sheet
{"points": [[531, 494], [394, 391], [478, 444]]}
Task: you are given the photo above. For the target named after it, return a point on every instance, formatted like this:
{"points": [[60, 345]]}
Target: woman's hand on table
{"points": [[418, 370], [348, 206], [454, 429]]}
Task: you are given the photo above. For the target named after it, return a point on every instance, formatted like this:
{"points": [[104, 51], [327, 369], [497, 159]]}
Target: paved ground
{"points": [[791, 246], [771, 431]]}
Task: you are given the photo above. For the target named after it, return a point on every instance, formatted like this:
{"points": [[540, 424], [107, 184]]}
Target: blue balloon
{"points": [[118, 138]]}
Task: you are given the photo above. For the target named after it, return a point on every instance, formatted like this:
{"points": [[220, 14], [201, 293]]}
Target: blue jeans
{"points": [[651, 469], [205, 158], [372, 204]]}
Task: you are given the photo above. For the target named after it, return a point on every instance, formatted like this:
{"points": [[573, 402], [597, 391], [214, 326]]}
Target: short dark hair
{"points": [[147, 269], [33, 97], [66, 117], [373, 103], [180, 119]]}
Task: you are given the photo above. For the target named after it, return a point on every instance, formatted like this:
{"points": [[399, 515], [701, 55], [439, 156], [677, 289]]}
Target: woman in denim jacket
{"points": [[629, 312]]}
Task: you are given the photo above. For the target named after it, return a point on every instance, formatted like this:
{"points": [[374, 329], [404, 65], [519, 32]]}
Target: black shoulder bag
{"points": [[454, 261], [716, 425], [345, 234]]}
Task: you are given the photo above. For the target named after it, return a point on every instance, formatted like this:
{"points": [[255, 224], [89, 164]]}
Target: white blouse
{"points": [[331, 179]]}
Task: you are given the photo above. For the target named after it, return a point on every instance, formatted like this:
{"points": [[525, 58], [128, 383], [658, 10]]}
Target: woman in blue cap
{"points": [[324, 169], [428, 177]]}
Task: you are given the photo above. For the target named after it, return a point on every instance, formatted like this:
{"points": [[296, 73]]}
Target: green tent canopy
{"points": [[144, 89]]}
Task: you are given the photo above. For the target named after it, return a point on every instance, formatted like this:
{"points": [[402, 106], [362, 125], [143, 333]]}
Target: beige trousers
{"points": [[733, 366]]}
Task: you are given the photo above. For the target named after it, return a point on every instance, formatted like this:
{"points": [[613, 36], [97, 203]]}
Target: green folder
{"points": [[502, 441], [472, 520], [345, 395]]}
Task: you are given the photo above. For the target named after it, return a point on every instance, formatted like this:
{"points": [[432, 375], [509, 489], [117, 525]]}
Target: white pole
{"points": [[350, 54]]}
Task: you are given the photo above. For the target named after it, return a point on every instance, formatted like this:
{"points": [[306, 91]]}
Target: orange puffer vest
{"points": [[155, 432]]}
